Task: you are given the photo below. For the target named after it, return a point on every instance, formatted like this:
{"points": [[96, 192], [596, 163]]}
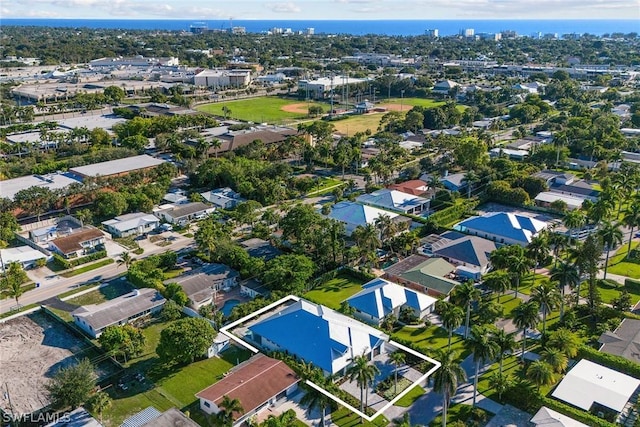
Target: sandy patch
{"points": [[299, 108], [395, 107], [32, 349]]}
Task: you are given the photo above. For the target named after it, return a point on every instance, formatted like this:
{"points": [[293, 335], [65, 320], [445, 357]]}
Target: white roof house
{"points": [[118, 166], [546, 417], [588, 383], [52, 181], [24, 255], [355, 214], [131, 224], [380, 298], [547, 197], [396, 201]]}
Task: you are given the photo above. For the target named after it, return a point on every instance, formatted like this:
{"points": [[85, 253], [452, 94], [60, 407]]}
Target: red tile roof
{"points": [[73, 242], [414, 187], [252, 383]]}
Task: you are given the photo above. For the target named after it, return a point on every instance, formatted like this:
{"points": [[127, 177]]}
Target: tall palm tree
{"points": [[519, 264], [574, 220], [451, 316], [484, 348], [506, 343], [384, 223], [548, 298], [99, 402], [525, 317], [611, 236], [363, 373], [541, 373], [632, 218], [397, 358], [216, 144], [316, 399], [229, 407], [470, 178], [559, 244], [538, 250], [367, 239], [465, 294], [565, 274], [565, 341], [125, 259], [498, 281], [447, 378]]}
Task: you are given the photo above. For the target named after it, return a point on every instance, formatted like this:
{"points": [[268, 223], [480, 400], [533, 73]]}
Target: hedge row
{"points": [[577, 414], [610, 361], [453, 213], [70, 263]]}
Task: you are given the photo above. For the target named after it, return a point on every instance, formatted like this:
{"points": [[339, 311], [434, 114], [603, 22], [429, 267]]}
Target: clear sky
{"points": [[322, 9]]}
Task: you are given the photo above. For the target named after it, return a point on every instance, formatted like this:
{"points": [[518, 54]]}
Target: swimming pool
{"points": [[228, 306]]}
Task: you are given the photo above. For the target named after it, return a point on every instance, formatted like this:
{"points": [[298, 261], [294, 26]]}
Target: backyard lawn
{"points": [[508, 302], [106, 293], [343, 417], [336, 290], [463, 413], [429, 339], [609, 291], [325, 185], [269, 109], [620, 264]]}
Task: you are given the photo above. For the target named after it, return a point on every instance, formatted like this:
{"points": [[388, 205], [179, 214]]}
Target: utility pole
{"points": [[331, 92]]}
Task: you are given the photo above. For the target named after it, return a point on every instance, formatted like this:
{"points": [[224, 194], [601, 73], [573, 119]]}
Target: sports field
{"points": [[265, 109]]}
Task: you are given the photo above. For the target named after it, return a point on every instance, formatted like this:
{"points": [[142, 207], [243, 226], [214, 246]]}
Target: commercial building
{"points": [[322, 87], [53, 181], [117, 167], [220, 79]]}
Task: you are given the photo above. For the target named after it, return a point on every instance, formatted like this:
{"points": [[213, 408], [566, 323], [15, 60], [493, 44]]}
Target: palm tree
{"points": [[506, 343], [559, 243], [465, 294], [541, 373], [548, 298], [367, 239], [99, 402], [565, 341], [498, 281], [611, 236], [484, 348], [632, 218], [285, 419], [447, 378], [537, 250], [574, 220], [363, 373], [313, 398], [384, 223], [556, 359], [451, 316], [125, 259], [518, 265], [525, 316], [469, 179], [500, 383], [565, 274], [216, 144], [229, 407], [15, 290], [397, 358]]}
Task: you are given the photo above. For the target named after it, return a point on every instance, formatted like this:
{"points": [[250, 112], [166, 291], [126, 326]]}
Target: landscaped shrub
{"points": [[576, 414], [70, 263]]}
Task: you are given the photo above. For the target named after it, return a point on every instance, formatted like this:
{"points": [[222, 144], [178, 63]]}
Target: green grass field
{"points": [[265, 109], [432, 338], [106, 293], [336, 290], [620, 264], [358, 123], [343, 417]]}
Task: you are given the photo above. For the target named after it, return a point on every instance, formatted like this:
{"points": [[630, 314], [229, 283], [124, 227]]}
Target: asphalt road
{"points": [[55, 285]]}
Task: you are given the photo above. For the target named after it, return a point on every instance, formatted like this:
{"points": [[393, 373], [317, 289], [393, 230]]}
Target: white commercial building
{"points": [[222, 78]]}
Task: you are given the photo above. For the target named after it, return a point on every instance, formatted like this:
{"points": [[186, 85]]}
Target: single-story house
{"points": [[201, 285], [546, 417], [546, 199], [26, 256], [416, 187], [380, 298], [354, 215], [502, 227], [470, 255], [395, 200], [454, 181], [318, 335], [184, 213], [444, 87], [132, 224], [78, 243], [624, 341], [94, 318], [224, 198], [591, 386], [511, 153], [253, 288], [62, 227], [176, 197], [260, 248], [432, 276], [258, 384]]}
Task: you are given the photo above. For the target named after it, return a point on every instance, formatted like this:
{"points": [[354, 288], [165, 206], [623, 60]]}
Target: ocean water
{"points": [[357, 27]]}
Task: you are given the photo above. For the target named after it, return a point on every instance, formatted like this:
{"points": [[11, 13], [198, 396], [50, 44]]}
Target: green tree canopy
{"points": [[185, 340]]}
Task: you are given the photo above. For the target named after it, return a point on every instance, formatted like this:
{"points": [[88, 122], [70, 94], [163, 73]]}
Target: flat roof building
{"points": [[52, 181], [117, 167]]}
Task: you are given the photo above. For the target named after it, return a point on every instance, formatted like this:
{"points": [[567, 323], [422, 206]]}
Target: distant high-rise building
{"points": [[310, 31], [467, 32], [509, 34], [432, 33], [238, 30]]}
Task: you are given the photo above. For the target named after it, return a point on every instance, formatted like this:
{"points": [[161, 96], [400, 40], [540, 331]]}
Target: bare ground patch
{"points": [[32, 349], [299, 108], [395, 107]]}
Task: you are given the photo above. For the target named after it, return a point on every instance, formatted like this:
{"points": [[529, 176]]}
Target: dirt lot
{"points": [[32, 349], [299, 108]]}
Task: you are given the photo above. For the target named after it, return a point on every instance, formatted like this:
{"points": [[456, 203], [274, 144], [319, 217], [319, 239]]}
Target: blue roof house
{"points": [[381, 298], [318, 335], [502, 227]]}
